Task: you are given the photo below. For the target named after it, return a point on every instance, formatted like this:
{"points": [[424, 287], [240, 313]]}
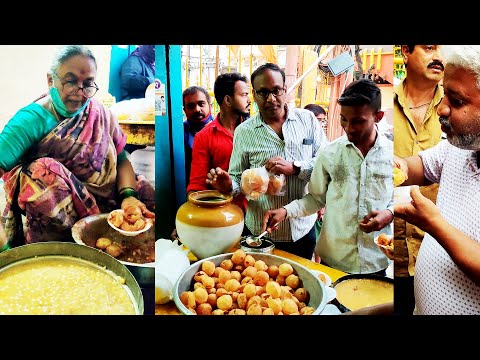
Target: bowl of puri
{"points": [[129, 222], [358, 291], [63, 278], [243, 283], [137, 252]]}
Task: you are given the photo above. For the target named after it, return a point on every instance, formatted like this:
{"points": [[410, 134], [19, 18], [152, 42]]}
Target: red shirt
{"points": [[212, 147]]}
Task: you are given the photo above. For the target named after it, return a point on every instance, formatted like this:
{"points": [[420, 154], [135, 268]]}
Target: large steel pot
{"points": [[102, 261], [311, 283], [87, 230]]}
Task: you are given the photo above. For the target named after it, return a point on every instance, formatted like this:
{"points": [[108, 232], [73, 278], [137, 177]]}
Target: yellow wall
{"points": [[23, 70]]}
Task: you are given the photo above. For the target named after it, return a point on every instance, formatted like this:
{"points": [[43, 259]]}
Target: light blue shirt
{"points": [[254, 143], [349, 186]]}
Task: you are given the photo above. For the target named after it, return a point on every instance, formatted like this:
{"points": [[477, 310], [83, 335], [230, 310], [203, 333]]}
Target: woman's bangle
{"points": [[125, 188], [5, 248], [127, 192]]}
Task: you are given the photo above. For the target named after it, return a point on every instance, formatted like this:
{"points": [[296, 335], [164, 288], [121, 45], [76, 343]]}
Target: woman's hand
{"points": [[219, 180], [375, 220], [133, 201], [3, 237]]}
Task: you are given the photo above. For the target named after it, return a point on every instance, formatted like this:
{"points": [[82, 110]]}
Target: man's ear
{"points": [[405, 52], [379, 116], [227, 100]]}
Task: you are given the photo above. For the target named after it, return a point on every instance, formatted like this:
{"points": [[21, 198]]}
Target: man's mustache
{"points": [[445, 122], [436, 63]]}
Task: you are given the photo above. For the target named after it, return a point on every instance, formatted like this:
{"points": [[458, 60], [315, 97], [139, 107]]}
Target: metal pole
{"points": [[217, 56], [313, 66], [228, 50], [240, 60], [200, 65], [187, 82], [251, 64]]}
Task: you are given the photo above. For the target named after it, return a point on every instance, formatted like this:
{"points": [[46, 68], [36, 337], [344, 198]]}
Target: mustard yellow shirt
{"points": [[408, 141]]}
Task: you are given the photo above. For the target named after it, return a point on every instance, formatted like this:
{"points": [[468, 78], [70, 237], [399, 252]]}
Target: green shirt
{"points": [[349, 186], [26, 128]]}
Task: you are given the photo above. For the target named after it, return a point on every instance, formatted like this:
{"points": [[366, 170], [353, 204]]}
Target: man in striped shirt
{"points": [[284, 140], [352, 178]]}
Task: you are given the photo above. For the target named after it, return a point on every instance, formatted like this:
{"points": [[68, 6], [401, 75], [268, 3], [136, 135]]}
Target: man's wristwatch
{"points": [[297, 166]]}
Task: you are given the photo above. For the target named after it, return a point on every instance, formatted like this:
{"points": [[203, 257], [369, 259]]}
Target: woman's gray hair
{"points": [[66, 52], [465, 57]]}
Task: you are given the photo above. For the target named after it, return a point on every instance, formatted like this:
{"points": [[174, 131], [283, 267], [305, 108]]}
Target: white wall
{"points": [[387, 102], [23, 70]]}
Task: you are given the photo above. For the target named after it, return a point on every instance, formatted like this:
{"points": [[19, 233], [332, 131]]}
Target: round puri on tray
{"points": [[224, 294]]}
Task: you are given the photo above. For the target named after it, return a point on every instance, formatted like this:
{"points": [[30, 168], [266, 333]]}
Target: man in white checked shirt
{"points": [[284, 140], [352, 178], [447, 271]]}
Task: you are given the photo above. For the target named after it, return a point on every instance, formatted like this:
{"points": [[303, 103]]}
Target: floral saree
{"points": [[70, 174]]}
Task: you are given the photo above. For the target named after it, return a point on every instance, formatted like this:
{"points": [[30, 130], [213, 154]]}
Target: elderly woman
{"points": [[63, 157]]}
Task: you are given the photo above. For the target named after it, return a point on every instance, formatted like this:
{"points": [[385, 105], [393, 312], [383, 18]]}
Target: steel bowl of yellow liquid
{"points": [[61, 278], [358, 291]]}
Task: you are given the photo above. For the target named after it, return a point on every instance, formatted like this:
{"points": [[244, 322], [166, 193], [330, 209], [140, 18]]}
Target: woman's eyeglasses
{"points": [[71, 87]]}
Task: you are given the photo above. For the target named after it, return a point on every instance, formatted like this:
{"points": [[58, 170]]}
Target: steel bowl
{"points": [[265, 247], [99, 259], [87, 230], [342, 307], [311, 283]]}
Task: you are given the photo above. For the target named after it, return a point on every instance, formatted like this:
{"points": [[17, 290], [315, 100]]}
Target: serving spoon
{"points": [[255, 241]]}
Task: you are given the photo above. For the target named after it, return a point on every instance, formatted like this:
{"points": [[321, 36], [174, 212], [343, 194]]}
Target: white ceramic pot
{"points": [[209, 223]]}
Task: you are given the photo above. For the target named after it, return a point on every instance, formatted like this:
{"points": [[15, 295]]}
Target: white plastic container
{"points": [[170, 262]]}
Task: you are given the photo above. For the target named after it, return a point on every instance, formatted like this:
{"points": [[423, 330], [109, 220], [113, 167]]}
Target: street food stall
{"points": [[211, 269], [170, 308], [137, 119]]}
